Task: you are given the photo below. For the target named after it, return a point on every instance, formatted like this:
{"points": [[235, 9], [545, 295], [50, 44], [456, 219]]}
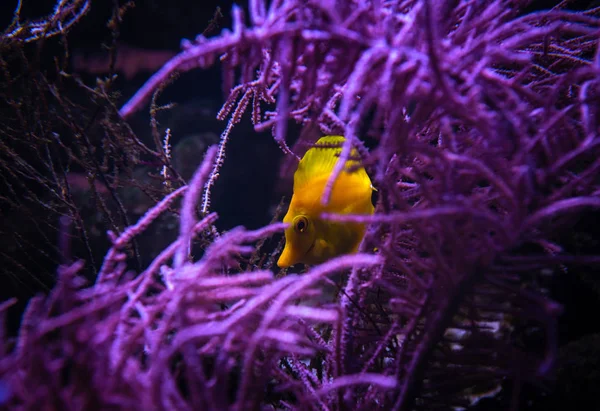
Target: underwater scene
{"points": [[326, 205]]}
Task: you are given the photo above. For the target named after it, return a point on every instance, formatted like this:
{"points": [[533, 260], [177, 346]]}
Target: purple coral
{"points": [[485, 123]]}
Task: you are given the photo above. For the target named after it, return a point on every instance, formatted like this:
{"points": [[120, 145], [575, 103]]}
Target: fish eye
{"points": [[300, 224]]}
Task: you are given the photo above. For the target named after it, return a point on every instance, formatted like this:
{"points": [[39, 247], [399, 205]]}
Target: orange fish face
{"points": [[299, 239], [310, 239]]}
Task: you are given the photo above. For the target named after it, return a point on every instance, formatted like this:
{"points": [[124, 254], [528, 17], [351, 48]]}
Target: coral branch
{"points": [[480, 127]]}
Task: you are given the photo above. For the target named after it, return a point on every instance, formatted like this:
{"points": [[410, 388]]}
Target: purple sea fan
{"points": [[486, 130], [192, 338]]}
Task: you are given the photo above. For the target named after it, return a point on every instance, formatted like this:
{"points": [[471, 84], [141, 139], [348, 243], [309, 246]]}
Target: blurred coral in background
{"points": [[478, 123]]}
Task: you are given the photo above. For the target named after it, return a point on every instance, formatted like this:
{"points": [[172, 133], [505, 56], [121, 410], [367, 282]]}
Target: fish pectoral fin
{"points": [[324, 249], [325, 245]]}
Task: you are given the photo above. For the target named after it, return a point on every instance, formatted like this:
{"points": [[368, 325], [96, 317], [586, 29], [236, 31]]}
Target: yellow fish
{"points": [[309, 239]]}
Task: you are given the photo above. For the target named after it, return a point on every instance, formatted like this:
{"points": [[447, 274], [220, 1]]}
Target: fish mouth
{"points": [[298, 258]]}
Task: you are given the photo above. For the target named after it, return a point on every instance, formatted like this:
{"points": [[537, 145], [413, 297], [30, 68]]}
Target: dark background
{"points": [[247, 191], [160, 25]]}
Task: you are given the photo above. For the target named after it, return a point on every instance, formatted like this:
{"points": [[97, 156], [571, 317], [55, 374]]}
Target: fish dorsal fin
{"points": [[320, 161]]}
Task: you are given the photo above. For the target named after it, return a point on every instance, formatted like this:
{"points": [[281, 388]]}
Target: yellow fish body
{"points": [[309, 239]]}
